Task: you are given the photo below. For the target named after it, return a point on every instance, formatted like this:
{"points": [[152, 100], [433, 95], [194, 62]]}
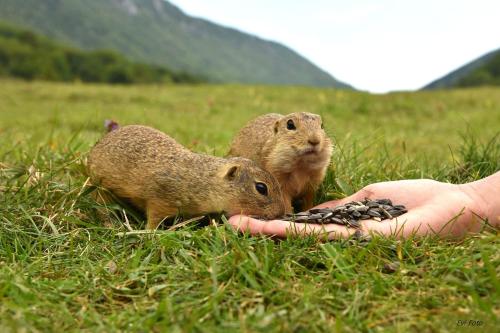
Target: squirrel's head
{"points": [[253, 191], [300, 138]]}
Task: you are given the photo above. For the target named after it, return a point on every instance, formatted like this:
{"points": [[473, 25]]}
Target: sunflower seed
{"points": [[391, 267], [373, 213], [350, 214], [328, 215], [354, 223], [338, 209], [320, 211], [303, 214], [386, 213], [384, 201], [315, 216], [351, 209], [362, 208], [336, 220]]}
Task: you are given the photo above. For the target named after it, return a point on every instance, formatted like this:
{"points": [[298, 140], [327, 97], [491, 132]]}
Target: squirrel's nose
{"points": [[313, 141]]}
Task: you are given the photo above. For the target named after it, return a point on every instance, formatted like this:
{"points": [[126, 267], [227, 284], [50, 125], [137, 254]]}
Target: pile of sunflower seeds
{"points": [[350, 213]]}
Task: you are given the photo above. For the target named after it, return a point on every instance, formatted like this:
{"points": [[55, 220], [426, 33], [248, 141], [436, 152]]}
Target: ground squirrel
{"points": [[154, 173], [293, 148]]}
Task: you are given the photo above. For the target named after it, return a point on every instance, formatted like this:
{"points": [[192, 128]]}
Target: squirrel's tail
{"points": [[110, 125]]}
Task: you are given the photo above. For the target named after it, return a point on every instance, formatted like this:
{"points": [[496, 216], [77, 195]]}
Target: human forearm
{"points": [[486, 193]]}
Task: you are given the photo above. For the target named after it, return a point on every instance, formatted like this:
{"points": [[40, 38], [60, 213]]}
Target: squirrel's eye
{"points": [[290, 125], [261, 188]]}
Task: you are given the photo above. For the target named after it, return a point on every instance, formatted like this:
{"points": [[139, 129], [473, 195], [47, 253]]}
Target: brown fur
{"points": [[161, 177], [297, 158]]}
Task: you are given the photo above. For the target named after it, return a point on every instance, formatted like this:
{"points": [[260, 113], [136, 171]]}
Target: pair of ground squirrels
{"points": [[294, 148], [159, 176], [274, 160]]}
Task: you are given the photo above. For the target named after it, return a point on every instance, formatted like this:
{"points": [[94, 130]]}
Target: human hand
{"points": [[433, 208]]}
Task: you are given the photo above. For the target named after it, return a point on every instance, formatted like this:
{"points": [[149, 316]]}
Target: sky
{"points": [[378, 45]]}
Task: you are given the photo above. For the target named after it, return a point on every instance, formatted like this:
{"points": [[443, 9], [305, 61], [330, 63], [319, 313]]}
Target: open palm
{"points": [[433, 207]]}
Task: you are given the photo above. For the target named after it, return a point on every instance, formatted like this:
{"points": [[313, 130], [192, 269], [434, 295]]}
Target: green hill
{"points": [[482, 71], [156, 32], [30, 56]]}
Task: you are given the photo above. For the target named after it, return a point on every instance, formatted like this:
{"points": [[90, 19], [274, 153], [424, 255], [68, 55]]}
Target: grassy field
{"points": [[62, 270]]}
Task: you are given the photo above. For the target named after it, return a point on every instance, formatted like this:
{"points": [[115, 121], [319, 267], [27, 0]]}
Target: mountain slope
{"points": [[157, 32], [27, 55], [484, 70]]}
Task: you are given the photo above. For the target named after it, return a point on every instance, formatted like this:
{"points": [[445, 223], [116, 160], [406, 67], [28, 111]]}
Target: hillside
{"points": [[482, 71], [157, 32], [27, 55]]}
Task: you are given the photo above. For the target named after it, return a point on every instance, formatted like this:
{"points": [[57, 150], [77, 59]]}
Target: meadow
{"points": [[61, 269]]}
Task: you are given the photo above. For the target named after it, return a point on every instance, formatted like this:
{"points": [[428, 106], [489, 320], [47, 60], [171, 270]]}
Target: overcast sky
{"points": [[377, 45]]}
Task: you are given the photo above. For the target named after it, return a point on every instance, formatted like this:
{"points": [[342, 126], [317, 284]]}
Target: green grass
{"points": [[62, 270]]}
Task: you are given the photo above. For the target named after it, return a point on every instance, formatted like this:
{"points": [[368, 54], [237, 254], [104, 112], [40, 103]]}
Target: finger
{"points": [[284, 228]]}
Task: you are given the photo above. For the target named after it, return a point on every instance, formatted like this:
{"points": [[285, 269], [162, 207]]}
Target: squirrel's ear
{"points": [[231, 171], [276, 124]]}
